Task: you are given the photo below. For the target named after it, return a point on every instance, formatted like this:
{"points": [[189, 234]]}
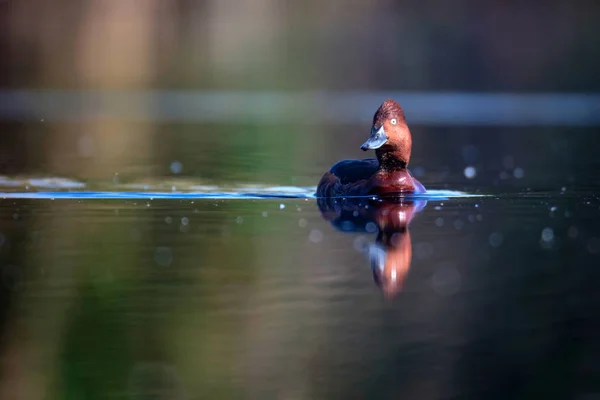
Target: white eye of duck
{"points": [[393, 121]]}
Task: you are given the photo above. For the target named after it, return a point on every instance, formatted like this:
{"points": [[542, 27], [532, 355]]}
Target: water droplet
{"points": [[355, 213], [553, 208], [496, 239], [458, 224], [471, 218], [470, 172], [547, 235], [315, 236], [163, 256], [265, 214], [168, 220], [281, 206], [239, 220], [185, 221], [302, 223], [437, 208], [439, 221], [519, 173], [176, 167], [563, 189]]}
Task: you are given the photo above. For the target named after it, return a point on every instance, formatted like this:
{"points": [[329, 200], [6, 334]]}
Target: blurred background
{"points": [[501, 97]]}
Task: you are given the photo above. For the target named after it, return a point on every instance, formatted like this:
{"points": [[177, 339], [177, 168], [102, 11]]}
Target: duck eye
{"points": [[393, 121]]}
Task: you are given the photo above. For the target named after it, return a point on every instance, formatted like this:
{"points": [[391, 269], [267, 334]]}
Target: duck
{"points": [[385, 175]]}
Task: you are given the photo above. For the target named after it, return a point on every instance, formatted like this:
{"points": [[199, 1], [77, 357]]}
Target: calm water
{"points": [[493, 296], [275, 299]]}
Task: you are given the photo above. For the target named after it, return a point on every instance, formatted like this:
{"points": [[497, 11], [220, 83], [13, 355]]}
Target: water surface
{"points": [[264, 298]]}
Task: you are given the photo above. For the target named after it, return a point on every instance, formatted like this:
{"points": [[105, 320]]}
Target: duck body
{"points": [[385, 175], [364, 177]]}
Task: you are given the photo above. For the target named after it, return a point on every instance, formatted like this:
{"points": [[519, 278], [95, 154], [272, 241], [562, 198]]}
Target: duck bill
{"points": [[377, 139]]}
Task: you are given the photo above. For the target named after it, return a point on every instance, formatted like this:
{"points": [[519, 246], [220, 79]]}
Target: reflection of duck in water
{"points": [[391, 254]]}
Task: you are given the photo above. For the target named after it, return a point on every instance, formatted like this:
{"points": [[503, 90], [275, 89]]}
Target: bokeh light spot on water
{"points": [[572, 232], [547, 235], [185, 221], [168, 220], [302, 223], [446, 280], [470, 172], [593, 245], [360, 244], [439, 221], [176, 167], [371, 227], [458, 224], [496, 239], [265, 214], [239, 220], [163, 256], [423, 250], [315, 236], [508, 162], [281, 206], [519, 173], [347, 226]]}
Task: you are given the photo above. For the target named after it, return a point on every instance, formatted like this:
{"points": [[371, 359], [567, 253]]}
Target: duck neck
{"points": [[391, 161]]}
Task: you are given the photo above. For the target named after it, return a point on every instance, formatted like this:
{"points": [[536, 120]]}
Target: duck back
{"points": [[348, 171]]}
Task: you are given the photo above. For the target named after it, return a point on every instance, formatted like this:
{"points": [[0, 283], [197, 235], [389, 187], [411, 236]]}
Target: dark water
{"points": [[271, 298], [239, 294]]}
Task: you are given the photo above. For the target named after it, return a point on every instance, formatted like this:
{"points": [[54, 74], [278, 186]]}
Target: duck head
{"points": [[390, 136]]}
